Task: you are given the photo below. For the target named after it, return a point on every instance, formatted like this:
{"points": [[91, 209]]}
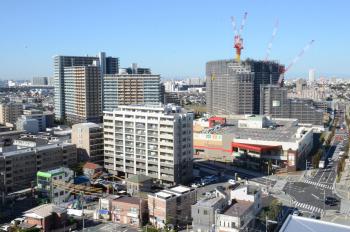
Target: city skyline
{"points": [[173, 39]]}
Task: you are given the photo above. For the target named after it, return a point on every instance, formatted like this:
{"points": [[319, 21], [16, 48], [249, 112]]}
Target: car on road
{"points": [[296, 212]]}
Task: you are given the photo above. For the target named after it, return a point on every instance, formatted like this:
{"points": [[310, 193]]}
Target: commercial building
{"points": [[45, 118], [134, 69], [253, 142], [29, 125], [82, 95], [171, 206], [275, 103], [107, 65], [152, 140], [88, 137], [234, 87], [131, 89], [40, 81], [20, 165], [9, 112], [46, 188]]}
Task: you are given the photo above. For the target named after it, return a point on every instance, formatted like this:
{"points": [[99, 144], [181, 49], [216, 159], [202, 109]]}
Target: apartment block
{"points": [[20, 165], [107, 65], [40, 81], [156, 141], [9, 112], [82, 94], [127, 89], [171, 206], [234, 87], [88, 137]]}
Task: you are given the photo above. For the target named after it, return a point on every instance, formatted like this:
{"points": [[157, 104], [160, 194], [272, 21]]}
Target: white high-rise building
{"points": [[311, 75], [156, 141]]}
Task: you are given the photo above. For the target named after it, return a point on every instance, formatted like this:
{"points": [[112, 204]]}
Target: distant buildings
{"points": [[127, 89], [40, 81], [88, 137], [234, 87], [312, 75], [134, 69], [152, 140], [171, 206], [77, 81], [9, 112]]}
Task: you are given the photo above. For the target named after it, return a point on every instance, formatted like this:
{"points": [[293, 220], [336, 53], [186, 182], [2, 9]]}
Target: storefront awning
{"points": [[255, 147]]}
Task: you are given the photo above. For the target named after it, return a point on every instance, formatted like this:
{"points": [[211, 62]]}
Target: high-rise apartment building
{"points": [[88, 137], [156, 141], [234, 87], [134, 69], [312, 75], [109, 65], [127, 89], [82, 95], [9, 112], [40, 81]]}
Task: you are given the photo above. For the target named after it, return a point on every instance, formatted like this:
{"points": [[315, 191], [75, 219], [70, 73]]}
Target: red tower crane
{"points": [[238, 41], [301, 53]]}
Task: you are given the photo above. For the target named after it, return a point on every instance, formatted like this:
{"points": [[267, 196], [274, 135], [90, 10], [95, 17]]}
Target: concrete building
{"points": [[9, 112], [19, 166], [109, 65], [131, 89], [45, 118], [204, 212], [274, 102], [300, 85], [234, 87], [82, 95], [88, 137], [29, 125], [134, 69], [251, 143], [152, 140], [40, 81], [312, 75], [132, 211], [49, 192], [171, 206]]}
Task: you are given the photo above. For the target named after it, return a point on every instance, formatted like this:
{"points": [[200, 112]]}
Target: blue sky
{"points": [[173, 38]]}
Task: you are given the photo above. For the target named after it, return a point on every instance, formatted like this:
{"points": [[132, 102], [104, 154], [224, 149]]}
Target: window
{"points": [[205, 212], [233, 225]]}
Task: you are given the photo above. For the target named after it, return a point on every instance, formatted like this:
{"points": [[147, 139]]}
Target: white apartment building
{"points": [[153, 140]]}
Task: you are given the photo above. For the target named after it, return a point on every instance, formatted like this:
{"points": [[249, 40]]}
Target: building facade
{"points": [[152, 140], [234, 87], [82, 95], [9, 112], [171, 206], [88, 137], [40, 81], [127, 89], [19, 166], [109, 65]]}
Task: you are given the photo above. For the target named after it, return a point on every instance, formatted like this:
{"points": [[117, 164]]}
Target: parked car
{"points": [[296, 212]]}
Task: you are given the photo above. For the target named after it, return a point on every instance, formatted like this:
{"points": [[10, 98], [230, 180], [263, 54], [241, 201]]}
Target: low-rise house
{"points": [[47, 217], [204, 211], [92, 170], [245, 205], [171, 207], [130, 210]]}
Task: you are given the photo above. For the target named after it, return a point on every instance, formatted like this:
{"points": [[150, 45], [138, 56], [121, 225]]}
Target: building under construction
{"points": [[233, 87]]}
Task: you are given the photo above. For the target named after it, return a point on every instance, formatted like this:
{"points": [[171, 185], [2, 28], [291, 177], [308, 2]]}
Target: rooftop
{"points": [[43, 211], [298, 224], [238, 208], [285, 131], [130, 200]]}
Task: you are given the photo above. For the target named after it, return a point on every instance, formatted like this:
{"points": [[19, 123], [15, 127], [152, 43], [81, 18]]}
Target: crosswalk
{"points": [[307, 207], [318, 184]]}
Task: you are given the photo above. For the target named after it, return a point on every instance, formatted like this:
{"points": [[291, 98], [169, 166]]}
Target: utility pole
{"points": [[82, 209]]}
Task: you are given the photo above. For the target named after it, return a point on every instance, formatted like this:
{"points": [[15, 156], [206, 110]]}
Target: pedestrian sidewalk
{"points": [[342, 189]]}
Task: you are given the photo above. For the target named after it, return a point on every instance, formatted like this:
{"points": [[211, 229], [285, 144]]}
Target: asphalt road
{"points": [[310, 194]]}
